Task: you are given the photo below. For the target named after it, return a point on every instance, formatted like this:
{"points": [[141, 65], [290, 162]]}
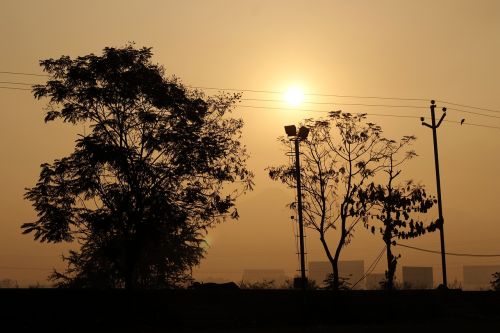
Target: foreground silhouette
{"points": [[70, 310]]}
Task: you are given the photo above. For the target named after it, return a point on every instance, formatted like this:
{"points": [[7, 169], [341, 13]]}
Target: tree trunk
{"points": [[391, 259], [391, 267], [329, 254], [335, 263]]}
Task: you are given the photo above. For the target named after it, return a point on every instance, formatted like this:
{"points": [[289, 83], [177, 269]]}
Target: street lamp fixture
{"points": [[291, 130], [303, 133]]}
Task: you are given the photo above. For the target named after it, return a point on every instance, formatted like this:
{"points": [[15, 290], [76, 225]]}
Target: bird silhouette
{"points": [[462, 121]]}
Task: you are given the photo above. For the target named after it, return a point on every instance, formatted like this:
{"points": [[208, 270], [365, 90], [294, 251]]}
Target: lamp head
{"points": [[291, 130], [303, 132]]}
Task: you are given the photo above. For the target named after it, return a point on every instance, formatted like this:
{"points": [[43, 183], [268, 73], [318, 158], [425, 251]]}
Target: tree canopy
{"points": [[138, 191], [397, 206]]}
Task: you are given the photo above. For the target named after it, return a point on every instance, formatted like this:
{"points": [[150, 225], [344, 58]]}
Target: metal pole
{"points": [[301, 224], [434, 126]]}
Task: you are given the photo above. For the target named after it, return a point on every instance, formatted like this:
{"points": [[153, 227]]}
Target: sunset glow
{"points": [[271, 64]]}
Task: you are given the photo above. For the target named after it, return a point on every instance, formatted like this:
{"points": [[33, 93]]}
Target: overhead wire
{"points": [[468, 106], [25, 268], [450, 253], [306, 94], [370, 105], [475, 113], [335, 103], [310, 102], [23, 73], [14, 88], [366, 113], [326, 111], [16, 83], [371, 268], [350, 96]]}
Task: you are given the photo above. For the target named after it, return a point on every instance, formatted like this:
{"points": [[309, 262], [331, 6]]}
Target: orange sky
{"points": [[446, 50]]}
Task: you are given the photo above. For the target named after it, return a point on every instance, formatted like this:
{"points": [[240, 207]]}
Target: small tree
{"points": [[143, 186], [395, 205], [495, 283], [340, 155], [344, 283]]}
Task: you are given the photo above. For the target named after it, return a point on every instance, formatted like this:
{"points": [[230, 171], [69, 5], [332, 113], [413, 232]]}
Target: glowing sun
{"points": [[294, 96]]}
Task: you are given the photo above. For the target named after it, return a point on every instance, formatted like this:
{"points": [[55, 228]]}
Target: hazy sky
{"points": [[430, 49]]}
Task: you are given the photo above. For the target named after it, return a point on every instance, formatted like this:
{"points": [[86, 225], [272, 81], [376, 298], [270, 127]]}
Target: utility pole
{"points": [[440, 223], [291, 131]]}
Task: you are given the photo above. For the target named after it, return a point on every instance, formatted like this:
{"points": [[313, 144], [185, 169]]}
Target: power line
{"points": [[349, 96], [17, 83], [313, 94], [370, 105], [476, 113], [470, 124], [371, 268], [306, 102], [335, 103], [234, 89], [368, 114], [323, 111], [306, 94], [24, 73], [450, 253], [468, 106], [14, 88], [25, 268]]}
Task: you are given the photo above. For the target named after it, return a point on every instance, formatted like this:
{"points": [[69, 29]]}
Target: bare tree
{"points": [[341, 155]]}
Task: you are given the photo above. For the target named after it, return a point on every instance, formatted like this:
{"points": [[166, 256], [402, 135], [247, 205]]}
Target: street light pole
{"points": [[303, 278], [291, 131]]}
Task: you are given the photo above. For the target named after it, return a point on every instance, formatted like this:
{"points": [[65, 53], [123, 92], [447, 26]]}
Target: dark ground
{"points": [[59, 310]]}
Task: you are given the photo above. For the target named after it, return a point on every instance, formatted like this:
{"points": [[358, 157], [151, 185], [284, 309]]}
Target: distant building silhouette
{"points": [[260, 275], [478, 277], [352, 270], [418, 277], [374, 280]]}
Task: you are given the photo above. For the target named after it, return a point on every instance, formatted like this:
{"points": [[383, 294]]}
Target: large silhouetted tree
{"points": [[142, 187], [397, 206], [340, 156]]}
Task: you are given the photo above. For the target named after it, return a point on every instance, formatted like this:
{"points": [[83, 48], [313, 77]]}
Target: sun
{"points": [[294, 96]]}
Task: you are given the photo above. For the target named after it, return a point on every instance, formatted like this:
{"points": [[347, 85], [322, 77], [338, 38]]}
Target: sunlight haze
{"points": [[309, 56]]}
